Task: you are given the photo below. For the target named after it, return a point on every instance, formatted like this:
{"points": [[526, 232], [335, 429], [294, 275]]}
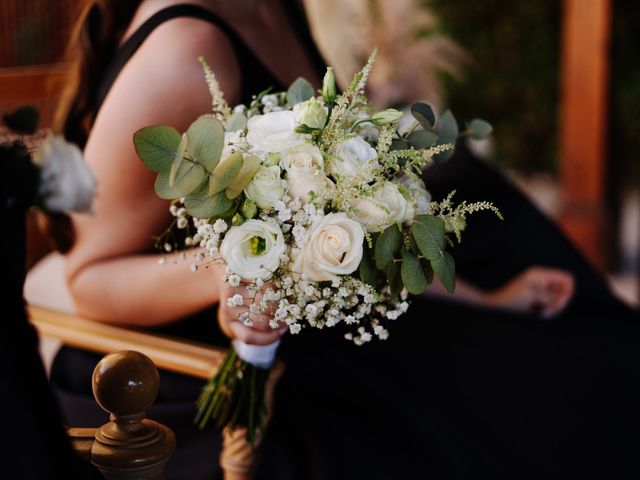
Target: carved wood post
{"points": [[129, 447], [584, 123]]}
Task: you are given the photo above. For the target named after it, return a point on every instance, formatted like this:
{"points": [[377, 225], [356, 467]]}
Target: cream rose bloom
{"points": [[311, 113], [67, 184], [266, 187], [305, 173], [353, 155], [253, 249], [273, 132], [386, 207], [333, 247]]}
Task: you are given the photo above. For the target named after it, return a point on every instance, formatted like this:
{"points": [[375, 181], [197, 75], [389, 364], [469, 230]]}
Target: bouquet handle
{"points": [[235, 398], [236, 458]]}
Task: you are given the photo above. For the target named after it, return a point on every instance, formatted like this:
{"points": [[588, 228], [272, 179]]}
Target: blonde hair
{"points": [[408, 67]]}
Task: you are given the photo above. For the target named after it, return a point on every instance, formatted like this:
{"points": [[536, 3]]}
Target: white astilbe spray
{"points": [[219, 105]]}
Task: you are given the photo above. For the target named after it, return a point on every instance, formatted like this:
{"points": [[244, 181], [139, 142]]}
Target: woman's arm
{"points": [[109, 276], [540, 290]]}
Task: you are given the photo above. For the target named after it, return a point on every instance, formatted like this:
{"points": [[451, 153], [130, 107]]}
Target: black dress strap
{"points": [[254, 73]]}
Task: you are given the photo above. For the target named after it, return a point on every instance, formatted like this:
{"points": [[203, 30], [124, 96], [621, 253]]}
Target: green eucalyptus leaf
{"points": [[237, 121], [249, 168], [447, 129], [387, 244], [394, 278], [445, 268], [429, 234], [224, 173], [156, 146], [164, 190], [420, 139], [189, 177], [424, 114], [205, 141], [177, 159], [479, 129], [201, 205], [299, 91], [412, 273], [367, 269]]}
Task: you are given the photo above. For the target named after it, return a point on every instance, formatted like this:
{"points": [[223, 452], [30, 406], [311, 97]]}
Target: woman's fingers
{"points": [[554, 290], [234, 313]]}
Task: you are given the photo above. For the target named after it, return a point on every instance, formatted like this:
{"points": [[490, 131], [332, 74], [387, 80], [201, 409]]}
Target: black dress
{"points": [[456, 391], [197, 453]]}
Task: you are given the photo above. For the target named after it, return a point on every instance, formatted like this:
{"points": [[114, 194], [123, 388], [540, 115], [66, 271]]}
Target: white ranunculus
{"points": [[334, 247], [66, 184], [353, 155], [311, 113], [386, 207], [253, 249], [274, 132], [266, 187], [420, 195]]}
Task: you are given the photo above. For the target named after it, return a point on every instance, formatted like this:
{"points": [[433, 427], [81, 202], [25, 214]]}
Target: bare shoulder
{"points": [[164, 82]]}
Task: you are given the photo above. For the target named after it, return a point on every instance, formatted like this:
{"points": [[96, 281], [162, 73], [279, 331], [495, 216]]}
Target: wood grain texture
{"points": [[178, 356], [585, 69]]}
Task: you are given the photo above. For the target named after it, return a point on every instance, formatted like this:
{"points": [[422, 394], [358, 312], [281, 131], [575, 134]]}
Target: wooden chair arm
{"points": [[180, 356]]}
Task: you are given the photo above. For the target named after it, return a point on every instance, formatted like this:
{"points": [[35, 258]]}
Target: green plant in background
{"points": [[624, 131], [512, 79]]}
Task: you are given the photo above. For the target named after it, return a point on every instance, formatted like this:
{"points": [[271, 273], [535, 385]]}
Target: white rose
{"points": [[304, 166], [274, 132], [420, 195], [334, 247], [253, 249], [66, 183], [266, 187], [386, 207], [306, 156], [309, 185], [353, 155], [311, 113]]}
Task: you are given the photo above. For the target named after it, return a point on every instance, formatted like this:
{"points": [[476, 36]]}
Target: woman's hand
{"points": [[231, 318], [542, 290]]}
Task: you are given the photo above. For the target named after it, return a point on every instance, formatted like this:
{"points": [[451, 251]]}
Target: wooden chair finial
{"points": [[125, 384]]}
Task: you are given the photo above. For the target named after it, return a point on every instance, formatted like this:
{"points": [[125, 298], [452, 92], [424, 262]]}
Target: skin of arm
{"points": [[110, 276], [539, 290]]}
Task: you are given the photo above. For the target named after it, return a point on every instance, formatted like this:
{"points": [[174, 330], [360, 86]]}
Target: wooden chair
{"points": [[186, 358]]}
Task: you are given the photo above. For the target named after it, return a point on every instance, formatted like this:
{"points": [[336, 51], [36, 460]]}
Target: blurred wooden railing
{"points": [[179, 356]]}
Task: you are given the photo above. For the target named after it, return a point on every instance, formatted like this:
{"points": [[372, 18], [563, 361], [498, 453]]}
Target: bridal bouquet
{"points": [[315, 204]]}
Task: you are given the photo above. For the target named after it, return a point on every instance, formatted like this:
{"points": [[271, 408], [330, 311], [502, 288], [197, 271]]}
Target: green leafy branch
{"points": [[189, 167]]}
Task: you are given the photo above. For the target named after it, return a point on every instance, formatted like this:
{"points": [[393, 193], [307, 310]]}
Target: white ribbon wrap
{"points": [[261, 356]]}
